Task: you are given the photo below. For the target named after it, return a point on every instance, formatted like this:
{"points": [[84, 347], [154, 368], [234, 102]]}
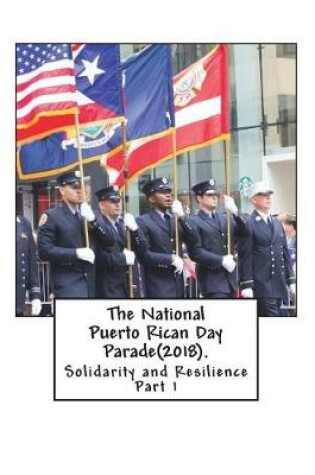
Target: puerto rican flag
{"points": [[98, 83]]}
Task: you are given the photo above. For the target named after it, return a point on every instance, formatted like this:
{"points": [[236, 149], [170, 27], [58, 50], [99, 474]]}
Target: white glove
{"points": [[36, 307], [178, 263], [130, 257], [130, 222], [247, 293], [228, 263], [230, 204], [87, 212], [177, 208], [292, 288], [85, 254]]}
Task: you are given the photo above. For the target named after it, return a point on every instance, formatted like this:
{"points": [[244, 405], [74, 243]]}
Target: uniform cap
{"points": [[158, 184], [259, 187], [205, 186], [108, 193], [70, 178]]}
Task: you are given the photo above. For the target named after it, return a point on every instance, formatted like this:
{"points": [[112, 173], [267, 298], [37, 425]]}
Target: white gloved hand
{"points": [[292, 289], [130, 222], [230, 205], [228, 263], [36, 307], [87, 212], [85, 254], [247, 293], [130, 257], [177, 208], [178, 263]]}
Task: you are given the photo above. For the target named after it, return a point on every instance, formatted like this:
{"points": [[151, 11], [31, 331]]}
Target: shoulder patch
{"points": [[42, 220]]}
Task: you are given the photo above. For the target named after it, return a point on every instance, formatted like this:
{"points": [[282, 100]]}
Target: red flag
{"points": [[201, 101], [46, 100], [201, 117]]}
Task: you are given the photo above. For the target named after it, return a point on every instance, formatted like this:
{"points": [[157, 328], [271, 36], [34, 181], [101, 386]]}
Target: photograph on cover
{"points": [[156, 171]]}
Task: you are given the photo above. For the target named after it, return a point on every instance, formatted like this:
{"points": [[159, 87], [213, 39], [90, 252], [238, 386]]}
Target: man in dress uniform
{"points": [[161, 265], [112, 261], [216, 269], [26, 268], [61, 241], [265, 262]]}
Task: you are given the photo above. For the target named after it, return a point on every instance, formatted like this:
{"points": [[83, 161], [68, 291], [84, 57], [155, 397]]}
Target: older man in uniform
{"points": [[61, 241], [26, 268], [216, 269], [162, 266], [265, 262], [112, 262]]}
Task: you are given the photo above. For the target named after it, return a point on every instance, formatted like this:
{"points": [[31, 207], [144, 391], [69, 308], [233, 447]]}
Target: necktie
{"points": [[214, 218], [77, 215], [119, 230], [269, 221], [167, 219]]}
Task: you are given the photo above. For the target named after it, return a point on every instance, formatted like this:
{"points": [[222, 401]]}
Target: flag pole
{"points": [[171, 115], [227, 178], [175, 182], [227, 144], [126, 199], [86, 231]]}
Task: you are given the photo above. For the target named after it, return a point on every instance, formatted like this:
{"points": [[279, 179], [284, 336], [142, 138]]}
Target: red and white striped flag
{"points": [[46, 91]]}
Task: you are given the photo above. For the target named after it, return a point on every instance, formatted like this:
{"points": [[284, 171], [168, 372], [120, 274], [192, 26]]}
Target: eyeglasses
{"points": [[264, 194]]}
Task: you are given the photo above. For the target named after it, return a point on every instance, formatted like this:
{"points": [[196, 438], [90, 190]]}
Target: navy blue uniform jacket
{"points": [[58, 239], [111, 268], [210, 247], [26, 264], [265, 260], [160, 281]]}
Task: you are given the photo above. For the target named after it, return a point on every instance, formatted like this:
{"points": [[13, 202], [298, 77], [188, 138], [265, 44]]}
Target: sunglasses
{"points": [[264, 194]]}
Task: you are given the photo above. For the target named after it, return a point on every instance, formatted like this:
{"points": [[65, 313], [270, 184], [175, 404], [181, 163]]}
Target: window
{"points": [[287, 129], [286, 50]]}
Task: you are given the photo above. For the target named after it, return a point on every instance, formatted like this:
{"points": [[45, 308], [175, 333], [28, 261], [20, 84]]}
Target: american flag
{"points": [[46, 91]]}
